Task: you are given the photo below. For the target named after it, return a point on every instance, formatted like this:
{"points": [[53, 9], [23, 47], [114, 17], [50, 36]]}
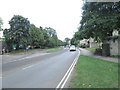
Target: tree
{"points": [[74, 41], [60, 43], [36, 36], [52, 37], [67, 41], [1, 23], [99, 19], [19, 31], [8, 38], [50, 31], [21, 34]]}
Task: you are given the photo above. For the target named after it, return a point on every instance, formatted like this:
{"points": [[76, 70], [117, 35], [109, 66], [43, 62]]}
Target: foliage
{"points": [[99, 19], [22, 34], [52, 39], [98, 51], [36, 36], [60, 43], [18, 32], [66, 41], [1, 23], [8, 39], [74, 41]]}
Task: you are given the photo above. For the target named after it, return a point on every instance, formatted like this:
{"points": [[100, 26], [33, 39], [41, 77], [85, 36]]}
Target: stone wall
{"points": [[114, 47]]}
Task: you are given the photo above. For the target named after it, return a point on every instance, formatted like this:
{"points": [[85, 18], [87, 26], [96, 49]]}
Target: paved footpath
{"points": [[88, 53]]}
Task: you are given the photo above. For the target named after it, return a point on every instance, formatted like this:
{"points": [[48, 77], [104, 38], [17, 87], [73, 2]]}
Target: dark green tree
{"points": [[52, 37], [1, 23], [99, 19], [19, 31], [36, 36], [67, 41]]}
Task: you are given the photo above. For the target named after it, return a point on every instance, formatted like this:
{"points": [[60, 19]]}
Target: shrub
{"points": [[98, 51]]}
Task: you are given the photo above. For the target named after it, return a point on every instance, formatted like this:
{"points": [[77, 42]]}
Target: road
{"points": [[38, 71]]}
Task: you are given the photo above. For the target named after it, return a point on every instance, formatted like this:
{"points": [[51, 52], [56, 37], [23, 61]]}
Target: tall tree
{"points": [[99, 19], [19, 31], [67, 41], [1, 23], [74, 41], [36, 36], [52, 35]]}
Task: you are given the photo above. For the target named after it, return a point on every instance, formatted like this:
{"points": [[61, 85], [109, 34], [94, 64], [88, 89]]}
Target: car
{"points": [[72, 48]]}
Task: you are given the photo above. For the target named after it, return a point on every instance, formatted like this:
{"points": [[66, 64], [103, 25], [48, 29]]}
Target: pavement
{"points": [[88, 53], [37, 71]]}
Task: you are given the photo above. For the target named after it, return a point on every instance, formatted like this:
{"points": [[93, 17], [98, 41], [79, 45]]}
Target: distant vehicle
{"points": [[72, 48]]}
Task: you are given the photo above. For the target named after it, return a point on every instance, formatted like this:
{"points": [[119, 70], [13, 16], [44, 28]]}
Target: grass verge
{"points": [[21, 51], [91, 49], [94, 73], [50, 50]]}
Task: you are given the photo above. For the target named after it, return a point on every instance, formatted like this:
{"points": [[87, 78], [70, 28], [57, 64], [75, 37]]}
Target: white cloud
{"points": [[62, 15]]}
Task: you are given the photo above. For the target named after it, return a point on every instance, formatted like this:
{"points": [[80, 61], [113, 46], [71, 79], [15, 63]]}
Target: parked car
{"points": [[72, 48]]}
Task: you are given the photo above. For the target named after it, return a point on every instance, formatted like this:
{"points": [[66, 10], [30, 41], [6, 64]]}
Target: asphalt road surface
{"points": [[44, 71]]}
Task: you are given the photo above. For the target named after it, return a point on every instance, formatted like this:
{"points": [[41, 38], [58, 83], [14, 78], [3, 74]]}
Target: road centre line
{"points": [[68, 73]]}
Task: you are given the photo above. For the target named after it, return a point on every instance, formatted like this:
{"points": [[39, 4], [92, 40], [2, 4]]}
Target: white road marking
{"points": [[68, 73], [0, 77], [27, 67]]}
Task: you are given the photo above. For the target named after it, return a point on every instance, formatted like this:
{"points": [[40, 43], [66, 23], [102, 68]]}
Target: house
{"points": [[84, 43], [94, 44], [89, 43]]}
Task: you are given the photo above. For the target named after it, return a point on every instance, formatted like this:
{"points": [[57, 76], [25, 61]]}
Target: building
{"points": [[84, 43], [94, 44], [89, 43]]}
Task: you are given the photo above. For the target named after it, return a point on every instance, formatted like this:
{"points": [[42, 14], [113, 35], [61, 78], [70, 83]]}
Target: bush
{"points": [[106, 49], [98, 51], [83, 46]]}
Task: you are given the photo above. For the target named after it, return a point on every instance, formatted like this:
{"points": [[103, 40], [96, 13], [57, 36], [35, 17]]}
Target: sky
{"points": [[62, 15]]}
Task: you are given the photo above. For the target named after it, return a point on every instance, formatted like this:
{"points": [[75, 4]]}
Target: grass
{"points": [[91, 49], [21, 51], [94, 73], [50, 50]]}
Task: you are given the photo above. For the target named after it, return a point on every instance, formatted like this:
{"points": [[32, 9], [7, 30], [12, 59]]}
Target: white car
{"points": [[72, 48]]}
